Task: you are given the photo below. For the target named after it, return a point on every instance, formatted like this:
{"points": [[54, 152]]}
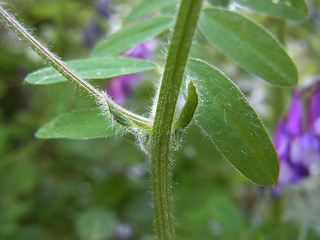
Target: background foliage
{"points": [[97, 189]]}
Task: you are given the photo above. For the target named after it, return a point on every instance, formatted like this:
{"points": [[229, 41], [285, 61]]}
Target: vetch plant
{"points": [[212, 100]]}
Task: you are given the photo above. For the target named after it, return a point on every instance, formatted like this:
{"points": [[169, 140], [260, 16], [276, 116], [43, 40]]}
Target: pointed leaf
{"points": [[147, 7], [289, 9], [80, 124], [131, 36], [232, 124], [92, 68], [248, 44]]}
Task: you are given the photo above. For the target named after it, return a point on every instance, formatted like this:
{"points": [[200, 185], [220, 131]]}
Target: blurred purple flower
{"points": [[103, 8], [123, 231], [94, 30], [294, 118], [298, 148], [92, 33], [120, 87], [314, 111]]}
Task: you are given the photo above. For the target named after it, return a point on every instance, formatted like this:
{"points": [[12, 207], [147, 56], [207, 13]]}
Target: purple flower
{"points": [[141, 51], [314, 111], [92, 33], [94, 30], [298, 148], [120, 87], [294, 118], [103, 8]]}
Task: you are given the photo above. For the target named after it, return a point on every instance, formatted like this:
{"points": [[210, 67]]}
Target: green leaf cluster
{"points": [[223, 112]]}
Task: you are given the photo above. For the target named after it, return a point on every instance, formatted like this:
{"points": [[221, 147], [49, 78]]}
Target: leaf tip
{"points": [[39, 134]]}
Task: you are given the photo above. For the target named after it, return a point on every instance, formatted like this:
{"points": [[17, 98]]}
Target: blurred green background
{"points": [[100, 189]]}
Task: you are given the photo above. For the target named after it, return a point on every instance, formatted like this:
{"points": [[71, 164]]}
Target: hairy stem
{"points": [[45, 54], [161, 133], [100, 96]]}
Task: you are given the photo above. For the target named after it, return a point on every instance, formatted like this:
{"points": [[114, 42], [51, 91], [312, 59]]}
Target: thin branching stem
{"points": [[99, 96]]}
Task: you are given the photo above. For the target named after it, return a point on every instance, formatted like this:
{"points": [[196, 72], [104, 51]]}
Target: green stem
{"points": [[277, 209], [100, 96], [48, 56], [303, 233], [279, 94], [161, 134], [282, 31]]}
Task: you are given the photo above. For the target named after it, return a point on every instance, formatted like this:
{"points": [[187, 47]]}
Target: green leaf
{"points": [[188, 110], [248, 44], [233, 125], [289, 9], [226, 214], [95, 224], [186, 115], [147, 7], [92, 68], [131, 36], [222, 3], [80, 124]]}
